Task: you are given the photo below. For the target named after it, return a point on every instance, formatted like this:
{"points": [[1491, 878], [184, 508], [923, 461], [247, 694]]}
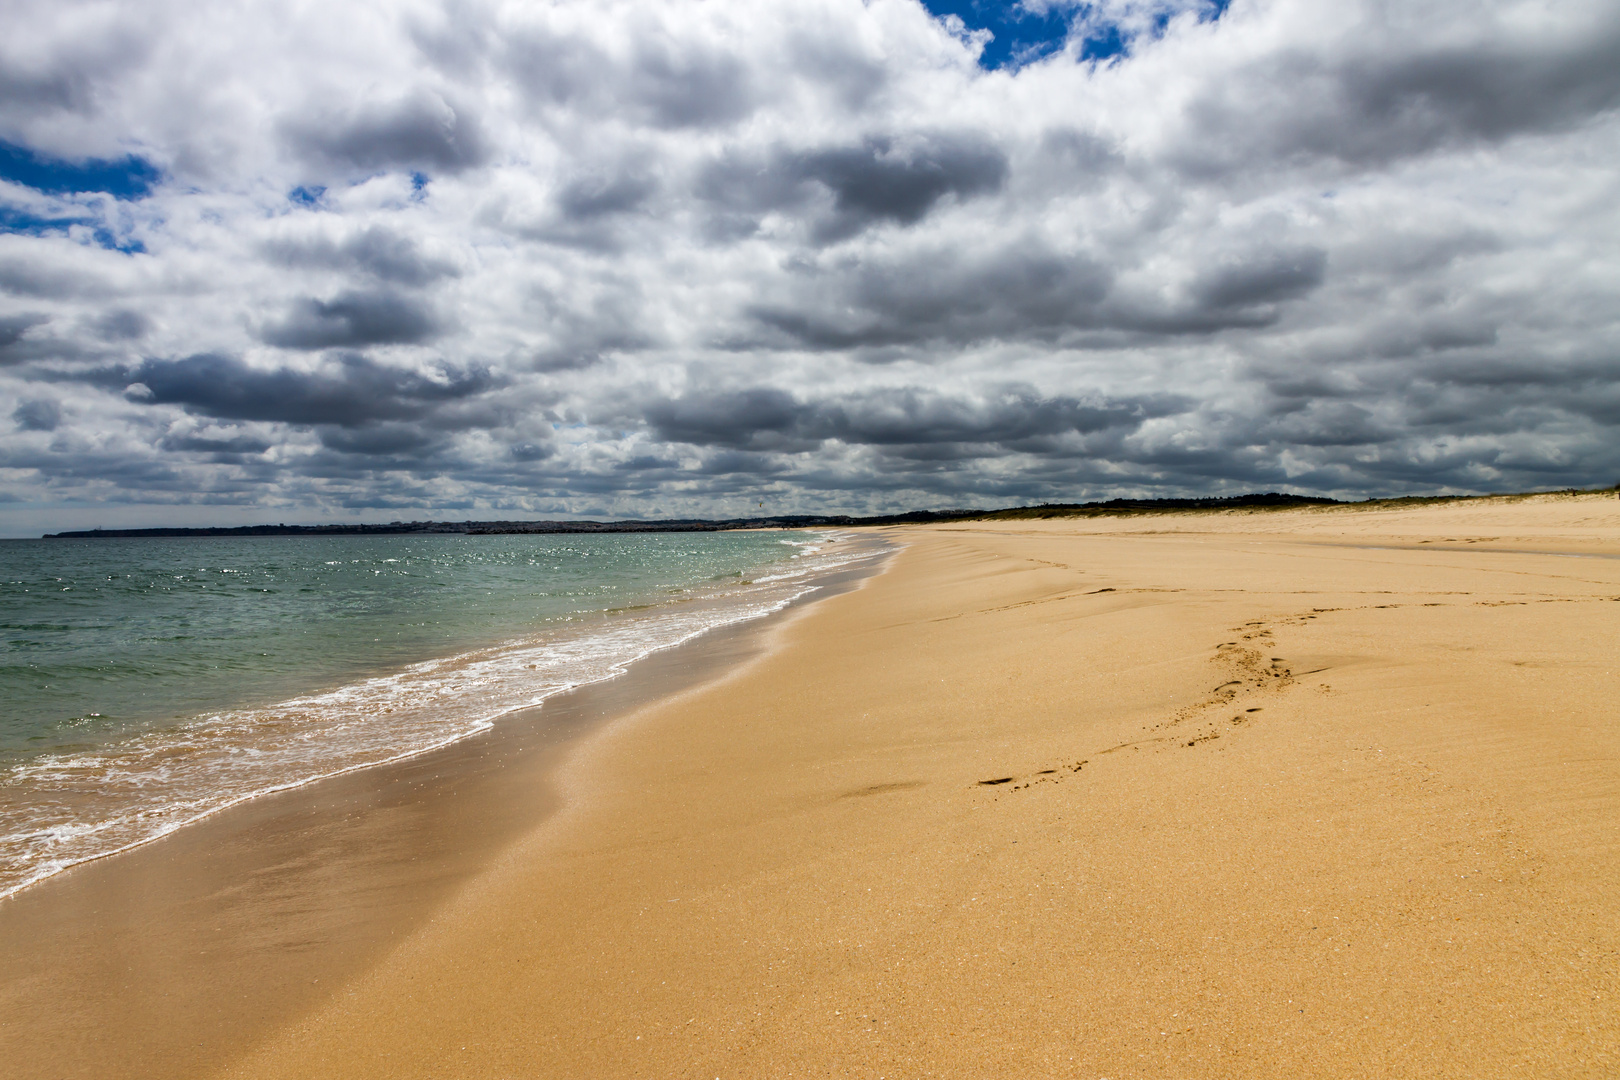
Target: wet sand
{"points": [[1309, 793], [172, 959]]}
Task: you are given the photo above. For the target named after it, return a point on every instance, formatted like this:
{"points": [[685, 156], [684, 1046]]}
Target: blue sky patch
{"points": [[1105, 42], [128, 177], [110, 240], [1020, 35], [13, 220], [1023, 36], [21, 222], [307, 196]]}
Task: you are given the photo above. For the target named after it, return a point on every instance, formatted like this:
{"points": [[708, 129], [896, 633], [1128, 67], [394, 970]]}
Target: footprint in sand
{"points": [[879, 789]]}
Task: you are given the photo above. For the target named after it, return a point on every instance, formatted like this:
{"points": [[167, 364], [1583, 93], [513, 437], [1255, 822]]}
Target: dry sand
{"points": [[1311, 793], [1287, 794]]}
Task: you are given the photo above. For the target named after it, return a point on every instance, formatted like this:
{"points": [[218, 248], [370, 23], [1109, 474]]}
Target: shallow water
{"points": [[148, 682]]}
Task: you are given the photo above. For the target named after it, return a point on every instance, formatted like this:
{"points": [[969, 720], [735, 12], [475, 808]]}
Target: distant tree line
{"points": [[1270, 500]]}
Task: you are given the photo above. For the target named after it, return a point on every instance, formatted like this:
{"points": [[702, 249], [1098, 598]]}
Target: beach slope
{"points": [[1309, 793]]}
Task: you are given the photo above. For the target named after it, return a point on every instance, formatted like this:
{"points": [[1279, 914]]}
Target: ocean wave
{"points": [[64, 809]]}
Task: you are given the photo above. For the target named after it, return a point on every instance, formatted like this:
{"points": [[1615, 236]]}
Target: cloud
{"points": [[651, 70], [231, 446], [895, 418], [66, 65], [351, 392], [597, 196], [602, 256], [37, 415], [1018, 292], [1265, 279], [376, 250], [353, 320], [13, 327], [1026, 291], [420, 130], [119, 324], [28, 339], [1371, 94], [382, 439], [880, 179]]}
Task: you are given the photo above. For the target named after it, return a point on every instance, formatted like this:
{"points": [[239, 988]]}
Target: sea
{"points": [[149, 682]]}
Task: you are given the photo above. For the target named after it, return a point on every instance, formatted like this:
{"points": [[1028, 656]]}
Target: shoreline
{"points": [[1234, 796], [1070, 799], [290, 893], [84, 803]]}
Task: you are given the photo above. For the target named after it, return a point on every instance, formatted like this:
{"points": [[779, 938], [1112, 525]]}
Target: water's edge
{"points": [[188, 949], [65, 812]]}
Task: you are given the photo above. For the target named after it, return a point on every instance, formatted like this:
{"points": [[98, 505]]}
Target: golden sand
{"points": [[1288, 794]]}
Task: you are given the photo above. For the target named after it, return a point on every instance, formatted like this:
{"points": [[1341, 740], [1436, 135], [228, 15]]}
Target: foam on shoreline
{"points": [[62, 810]]}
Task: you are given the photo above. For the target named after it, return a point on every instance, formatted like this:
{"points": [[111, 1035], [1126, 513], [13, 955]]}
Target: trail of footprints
{"points": [[1251, 671]]}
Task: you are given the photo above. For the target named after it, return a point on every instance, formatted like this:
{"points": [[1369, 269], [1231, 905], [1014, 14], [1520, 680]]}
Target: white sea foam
{"points": [[60, 810]]}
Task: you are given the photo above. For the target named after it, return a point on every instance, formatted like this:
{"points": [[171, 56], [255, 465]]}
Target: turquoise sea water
{"points": [[147, 682]]}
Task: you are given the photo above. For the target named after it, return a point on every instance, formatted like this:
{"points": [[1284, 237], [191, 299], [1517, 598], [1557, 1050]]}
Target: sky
{"points": [[298, 262]]}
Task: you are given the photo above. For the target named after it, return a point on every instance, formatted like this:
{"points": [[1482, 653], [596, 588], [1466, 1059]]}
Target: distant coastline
{"points": [[1268, 500]]}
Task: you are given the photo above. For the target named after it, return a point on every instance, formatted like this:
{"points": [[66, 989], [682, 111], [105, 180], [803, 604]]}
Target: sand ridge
{"points": [[1280, 794]]}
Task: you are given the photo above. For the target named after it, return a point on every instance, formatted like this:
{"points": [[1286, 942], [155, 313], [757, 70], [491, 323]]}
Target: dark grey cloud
{"points": [[880, 179], [598, 196], [419, 131], [773, 420], [1391, 95], [120, 325], [33, 337], [12, 329], [900, 181], [386, 439], [41, 414], [659, 79], [1442, 334], [1264, 279], [30, 276], [74, 73], [64, 87], [1326, 423], [133, 478], [1488, 91], [349, 392], [1027, 292], [733, 418], [353, 320], [1019, 292], [378, 251], [233, 446], [529, 451], [1460, 423], [596, 211]]}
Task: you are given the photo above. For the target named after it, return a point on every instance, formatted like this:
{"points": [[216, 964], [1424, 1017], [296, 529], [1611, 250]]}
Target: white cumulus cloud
{"points": [[487, 259]]}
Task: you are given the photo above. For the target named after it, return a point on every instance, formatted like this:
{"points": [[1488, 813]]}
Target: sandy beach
{"points": [[1327, 792]]}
